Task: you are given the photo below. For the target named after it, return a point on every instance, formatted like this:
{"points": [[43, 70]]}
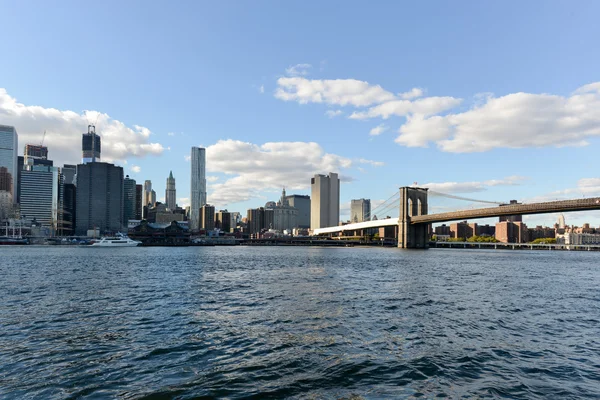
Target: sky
{"points": [[484, 100]]}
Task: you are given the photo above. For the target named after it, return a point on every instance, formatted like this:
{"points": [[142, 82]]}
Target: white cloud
{"points": [[64, 129], [187, 158], [171, 133], [298, 70], [212, 178], [340, 92], [371, 162], [378, 130], [472, 187], [261, 89], [412, 94], [136, 169], [333, 113], [516, 120], [402, 108], [270, 166]]}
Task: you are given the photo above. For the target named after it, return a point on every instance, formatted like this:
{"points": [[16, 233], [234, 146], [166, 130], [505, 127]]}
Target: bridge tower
{"points": [[413, 202]]}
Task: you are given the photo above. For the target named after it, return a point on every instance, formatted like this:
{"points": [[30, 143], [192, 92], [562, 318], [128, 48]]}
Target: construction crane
{"points": [[43, 137]]}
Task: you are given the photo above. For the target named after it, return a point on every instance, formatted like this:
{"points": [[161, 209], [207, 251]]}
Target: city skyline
{"points": [[435, 117]]}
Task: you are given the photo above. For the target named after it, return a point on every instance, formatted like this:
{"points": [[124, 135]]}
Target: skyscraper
{"points": [[99, 197], [302, 204], [324, 201], [207, 217], [198, 185], [129, 199], [360, 210], [40, 194], [170, 194], [69, 171], [9, 141], [90, 146], [149, 194], [139, 201], [36, 152]]}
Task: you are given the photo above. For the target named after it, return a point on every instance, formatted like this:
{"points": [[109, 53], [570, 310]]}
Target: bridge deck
{"points": [[507, 210], [513, 209]]}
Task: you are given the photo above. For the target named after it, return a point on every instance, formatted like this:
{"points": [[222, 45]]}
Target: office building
{"points": [[37, 153], [99, 197], [69, 171], [149, 195], [284, 216], [139, 201], [129, 199], [223, 220], [9, 141], [90, 146], [170, 193], [198, 185], [5, 180], [360, 210], [324, 201], [302, 204], [40, 195], [69, 211], [255, 220], [511, 218], [6, 205], [207, 217]]}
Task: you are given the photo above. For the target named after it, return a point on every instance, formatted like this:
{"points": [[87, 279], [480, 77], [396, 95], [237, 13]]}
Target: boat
{"points": [[116, 241], [4, 240]]}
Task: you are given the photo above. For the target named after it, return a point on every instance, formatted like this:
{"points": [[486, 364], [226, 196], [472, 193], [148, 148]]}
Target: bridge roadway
{"points": [[512, 209]]}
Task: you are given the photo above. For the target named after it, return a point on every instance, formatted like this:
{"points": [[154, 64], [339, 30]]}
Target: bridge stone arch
{"points": [[413, 202]]}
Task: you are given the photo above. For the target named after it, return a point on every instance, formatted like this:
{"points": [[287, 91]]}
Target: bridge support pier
{"points": [[413, 202]]}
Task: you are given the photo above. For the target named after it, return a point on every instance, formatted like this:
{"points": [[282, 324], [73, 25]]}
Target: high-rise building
{"points": [[69, 213], [149, 195], [129, 199], [324, 201], [170, 194], [99, 197], [69, 171], [511, 218], [139, 201], [223, 220], [360, 210], [36, 152], [207, 217], [285, 217], [9, 142], [5, 180], [90, 146], [302, 204], [256, 220], [198, 185], [40, 195]]}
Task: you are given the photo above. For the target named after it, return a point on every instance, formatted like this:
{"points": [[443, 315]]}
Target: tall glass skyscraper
{"points": [[8, 157], [90, 146], [40, 195], [198, 185]]}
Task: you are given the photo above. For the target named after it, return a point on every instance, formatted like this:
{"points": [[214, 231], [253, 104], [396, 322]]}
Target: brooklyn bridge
{"points": [[414, 220]]}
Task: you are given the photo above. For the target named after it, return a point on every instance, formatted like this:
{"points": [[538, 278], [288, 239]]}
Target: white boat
{"points": [[116, 241]]}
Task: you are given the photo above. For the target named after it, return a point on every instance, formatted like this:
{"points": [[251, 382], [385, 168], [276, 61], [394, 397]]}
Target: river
{"points": [[297, 322]]}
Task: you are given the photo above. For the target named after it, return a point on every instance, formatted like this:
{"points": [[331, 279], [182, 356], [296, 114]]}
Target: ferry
{"points": [[116, 241]]}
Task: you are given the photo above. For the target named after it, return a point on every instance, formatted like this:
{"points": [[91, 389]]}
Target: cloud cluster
{"points": [[255, 169], [378, 130], [64, 128], [515, 120]]}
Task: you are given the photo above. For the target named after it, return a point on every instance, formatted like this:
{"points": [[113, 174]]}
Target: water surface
{"points": [[297, 322]]}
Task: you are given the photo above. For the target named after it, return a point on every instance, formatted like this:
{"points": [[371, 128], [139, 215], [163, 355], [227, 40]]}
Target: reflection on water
{"points": [[298, 322]]}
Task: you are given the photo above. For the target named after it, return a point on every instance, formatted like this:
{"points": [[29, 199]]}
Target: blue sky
{"points": [[495, 100]]}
